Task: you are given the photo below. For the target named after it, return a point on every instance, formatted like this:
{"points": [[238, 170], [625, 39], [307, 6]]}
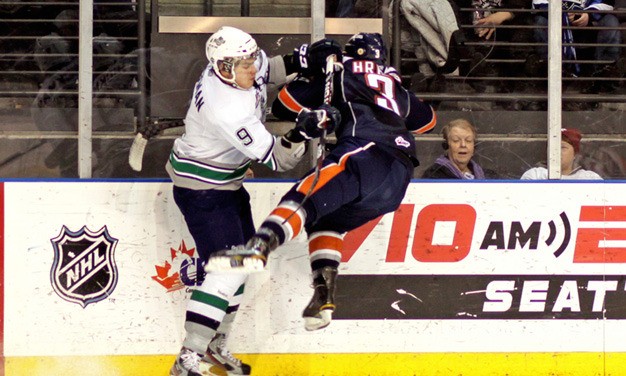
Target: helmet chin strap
{"points": [[230, 68]]}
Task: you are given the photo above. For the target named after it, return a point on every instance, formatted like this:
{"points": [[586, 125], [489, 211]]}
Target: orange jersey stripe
{"points": [[295, 221], [326, 242], [328, 172], [428, 126], [288, 101]]}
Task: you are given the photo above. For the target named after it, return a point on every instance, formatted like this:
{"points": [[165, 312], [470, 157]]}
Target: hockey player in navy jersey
{"points": [[364, 176], [224, 132]]}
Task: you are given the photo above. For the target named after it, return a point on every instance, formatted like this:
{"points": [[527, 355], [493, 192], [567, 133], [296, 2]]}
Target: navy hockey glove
{"points": [[319, 51], [310, 60], [310, 124], [297, 61]]}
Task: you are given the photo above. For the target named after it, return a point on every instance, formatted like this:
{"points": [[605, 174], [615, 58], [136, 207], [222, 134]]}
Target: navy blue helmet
{"points": [[367, 46]]}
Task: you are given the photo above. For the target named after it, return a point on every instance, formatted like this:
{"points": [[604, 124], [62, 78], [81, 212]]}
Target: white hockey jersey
{"points": [[224, 132]]}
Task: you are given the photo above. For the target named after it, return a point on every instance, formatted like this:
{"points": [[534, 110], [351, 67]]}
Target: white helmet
{"points": [[229, 45]]}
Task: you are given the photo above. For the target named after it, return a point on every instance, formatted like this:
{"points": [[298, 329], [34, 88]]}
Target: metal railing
{"points": [[405, 63], [38, 49]]}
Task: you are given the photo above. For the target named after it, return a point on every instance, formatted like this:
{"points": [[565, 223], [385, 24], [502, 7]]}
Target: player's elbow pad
{"points": [[288, 153]]}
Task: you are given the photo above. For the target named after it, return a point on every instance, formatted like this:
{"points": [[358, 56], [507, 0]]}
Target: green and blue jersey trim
{"points": [[207, 173]]}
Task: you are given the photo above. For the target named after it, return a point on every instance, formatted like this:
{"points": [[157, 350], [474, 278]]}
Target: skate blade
{"points": [[209, 369], [316, 323], [234, 265], [174, 371]]}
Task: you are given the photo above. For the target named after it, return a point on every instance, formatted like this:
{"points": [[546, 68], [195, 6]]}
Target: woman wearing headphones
{"points": [[459, 139]]}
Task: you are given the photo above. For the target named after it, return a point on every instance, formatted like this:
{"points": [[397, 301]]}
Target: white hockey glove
{"points": [[288, 152]]}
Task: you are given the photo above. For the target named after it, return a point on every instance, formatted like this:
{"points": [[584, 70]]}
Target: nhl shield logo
{"points": [[84, 269]]}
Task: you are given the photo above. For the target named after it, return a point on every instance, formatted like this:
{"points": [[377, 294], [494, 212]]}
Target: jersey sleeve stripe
{"points": [[428, 126], [269, 154], [271, 164], [289, 102]]}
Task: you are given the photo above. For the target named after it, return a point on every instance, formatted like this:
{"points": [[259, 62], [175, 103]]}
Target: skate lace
{"points": [[221, 346], [190, 360]]}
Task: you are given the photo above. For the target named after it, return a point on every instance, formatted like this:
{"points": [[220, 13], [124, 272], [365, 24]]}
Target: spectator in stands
{"points": [[620, 7], [434, 33], [353, 8], [56, 56], [570, 151], [459, 140], [584, 21], [345, 8], [487, 18]]}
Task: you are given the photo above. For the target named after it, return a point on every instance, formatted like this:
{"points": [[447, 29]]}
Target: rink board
{"points": [[473, 278]]}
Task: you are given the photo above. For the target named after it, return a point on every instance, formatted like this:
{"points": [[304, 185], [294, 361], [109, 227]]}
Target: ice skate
{"points": [[217, 354], [319, 312], [187, 364], [249, 259], [190, 363]]}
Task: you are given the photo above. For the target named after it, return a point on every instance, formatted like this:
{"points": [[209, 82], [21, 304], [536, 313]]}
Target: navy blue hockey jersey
{"points": [[374, 106]]}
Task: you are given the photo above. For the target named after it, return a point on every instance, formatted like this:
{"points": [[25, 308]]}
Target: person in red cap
{"points": [[570, 148]]}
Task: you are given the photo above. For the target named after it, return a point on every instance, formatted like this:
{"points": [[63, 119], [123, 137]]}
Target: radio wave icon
{"points": [[566, 237]]}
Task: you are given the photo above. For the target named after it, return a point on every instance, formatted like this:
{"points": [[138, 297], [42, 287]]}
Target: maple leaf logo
{"points": [[168, 278]]}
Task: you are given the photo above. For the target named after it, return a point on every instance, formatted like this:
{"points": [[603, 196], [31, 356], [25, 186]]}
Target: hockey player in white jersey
{"points": [[224, 133]]}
